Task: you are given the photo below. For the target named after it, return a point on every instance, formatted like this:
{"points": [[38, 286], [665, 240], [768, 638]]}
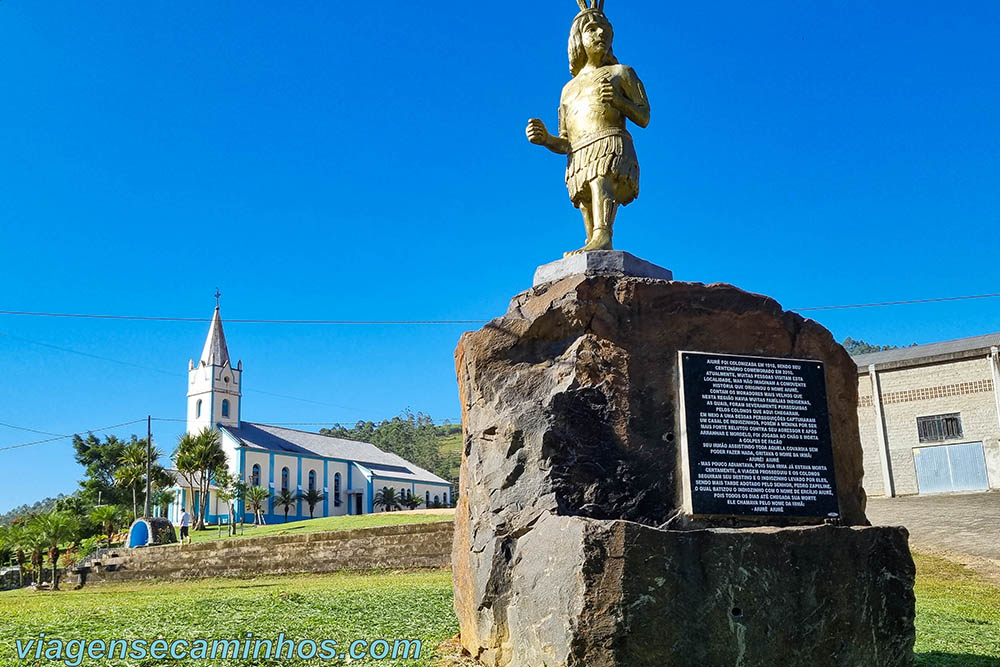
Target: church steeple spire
{"points": [[215, 352], [214, 384]]}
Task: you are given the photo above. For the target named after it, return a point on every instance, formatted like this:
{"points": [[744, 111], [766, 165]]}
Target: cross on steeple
{"points": [[217, 295]]}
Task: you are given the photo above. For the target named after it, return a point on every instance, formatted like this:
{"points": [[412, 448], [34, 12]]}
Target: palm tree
{"points": [[163, 499], [285, 499], [256, 496], [106, 516], [57, 528], [34, 544], [4, 541], [131, 476], [312, 497], [387, 499], [197, 457], [231, 489], [131, 472], [413, 501], [16, 536], [6, 546]]}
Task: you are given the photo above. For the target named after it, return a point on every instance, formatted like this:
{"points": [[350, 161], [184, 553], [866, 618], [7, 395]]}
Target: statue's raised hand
{"points": [[608, 94], [537, 132]]}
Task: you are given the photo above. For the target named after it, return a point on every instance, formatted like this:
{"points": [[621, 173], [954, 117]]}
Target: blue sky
{"points": [[368, 161]]}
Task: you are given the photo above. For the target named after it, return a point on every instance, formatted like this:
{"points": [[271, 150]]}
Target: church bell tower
{"points": [[214, 386]]}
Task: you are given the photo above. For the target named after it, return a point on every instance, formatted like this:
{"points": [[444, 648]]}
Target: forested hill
{"points": [[855, 347], [41, 507], [415, 437]]}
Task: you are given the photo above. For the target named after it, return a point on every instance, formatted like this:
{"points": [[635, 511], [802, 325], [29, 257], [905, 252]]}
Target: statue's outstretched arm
{"points": [[539, 134]]}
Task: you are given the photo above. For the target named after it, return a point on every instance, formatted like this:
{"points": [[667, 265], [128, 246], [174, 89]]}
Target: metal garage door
{"points": [[948, 468]]}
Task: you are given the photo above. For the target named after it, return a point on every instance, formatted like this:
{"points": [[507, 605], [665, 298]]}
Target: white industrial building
{"points": [[929, 417]]}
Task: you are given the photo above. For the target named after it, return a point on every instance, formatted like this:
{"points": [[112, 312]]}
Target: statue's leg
{"points": [[605, 210], [587, 209], [603, 207], [586, 205]]}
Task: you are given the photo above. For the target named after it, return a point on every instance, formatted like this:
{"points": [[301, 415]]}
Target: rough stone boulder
{"points": [[570, 544]]}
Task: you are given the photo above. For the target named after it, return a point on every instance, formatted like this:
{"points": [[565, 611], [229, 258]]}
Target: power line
{"points": [[900, 303], [169, 373], [29, 430], [145, 318], [57, 436], [91, 356], [63, 437], [452, 420], [151, 318]]}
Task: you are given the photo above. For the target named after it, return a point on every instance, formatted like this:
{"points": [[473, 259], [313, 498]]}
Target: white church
{"points": [[348, 473]]}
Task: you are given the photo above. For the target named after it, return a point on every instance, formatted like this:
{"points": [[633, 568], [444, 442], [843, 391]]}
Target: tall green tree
{"points": [[197, 457], [100, 460], [230, 489], [56, 529]]}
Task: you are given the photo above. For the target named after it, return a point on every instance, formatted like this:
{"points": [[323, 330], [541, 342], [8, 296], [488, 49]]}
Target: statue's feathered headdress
{"points": [[595, 5]]}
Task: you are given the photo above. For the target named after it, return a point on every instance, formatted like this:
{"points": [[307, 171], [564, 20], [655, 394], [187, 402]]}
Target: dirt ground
{"points": [[964, 527]]}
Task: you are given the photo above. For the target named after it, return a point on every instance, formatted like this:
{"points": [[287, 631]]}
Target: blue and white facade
{"points": [[349, 474]]}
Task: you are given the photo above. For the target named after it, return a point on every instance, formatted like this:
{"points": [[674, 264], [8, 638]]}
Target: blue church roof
{"points": [[294, 442]]}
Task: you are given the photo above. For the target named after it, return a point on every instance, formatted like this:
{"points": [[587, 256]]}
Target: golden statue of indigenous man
{"points": [[602, 170]]}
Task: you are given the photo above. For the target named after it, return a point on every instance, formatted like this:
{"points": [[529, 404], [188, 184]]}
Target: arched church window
{"points": [[312, 480], [225, 407], [284, 479], [197, 409], [445, 496], [255, 475], [427, 499], [336, 489]]}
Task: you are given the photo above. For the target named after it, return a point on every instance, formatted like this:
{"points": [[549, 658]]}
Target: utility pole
{"points": [[149, 466]]}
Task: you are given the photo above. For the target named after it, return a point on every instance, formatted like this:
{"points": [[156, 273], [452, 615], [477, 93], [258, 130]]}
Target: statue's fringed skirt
{"points": [[610, 154]]}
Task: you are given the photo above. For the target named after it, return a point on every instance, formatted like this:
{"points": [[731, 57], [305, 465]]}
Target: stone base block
{"points": [[601, 263], [577, 592]]}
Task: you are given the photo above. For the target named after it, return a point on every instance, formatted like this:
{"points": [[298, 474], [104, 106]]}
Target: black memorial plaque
{"points": [[757, 436]]}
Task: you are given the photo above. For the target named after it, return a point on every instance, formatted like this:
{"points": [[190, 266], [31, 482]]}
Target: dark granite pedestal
{"points": [[572, 474], [601, 593]]}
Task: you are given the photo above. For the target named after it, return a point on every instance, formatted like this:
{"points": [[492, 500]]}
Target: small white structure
{"points": [[348, 473]]}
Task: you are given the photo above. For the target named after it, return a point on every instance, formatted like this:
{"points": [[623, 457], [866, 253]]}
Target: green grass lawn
{"points": [[958, 616], [958, 613], [343, 607], [324, 524]]}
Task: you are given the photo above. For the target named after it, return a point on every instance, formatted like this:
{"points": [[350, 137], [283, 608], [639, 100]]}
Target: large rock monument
{"points": [[662, 473]]}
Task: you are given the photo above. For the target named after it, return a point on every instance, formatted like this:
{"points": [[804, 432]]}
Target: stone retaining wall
{"points": [[425, 545]]}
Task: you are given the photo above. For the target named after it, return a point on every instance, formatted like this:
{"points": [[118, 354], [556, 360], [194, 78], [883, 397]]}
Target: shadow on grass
{"points": [[939, 659]]}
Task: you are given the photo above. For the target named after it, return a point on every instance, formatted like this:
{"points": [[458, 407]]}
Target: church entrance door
{"points": [[357, 504]]}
